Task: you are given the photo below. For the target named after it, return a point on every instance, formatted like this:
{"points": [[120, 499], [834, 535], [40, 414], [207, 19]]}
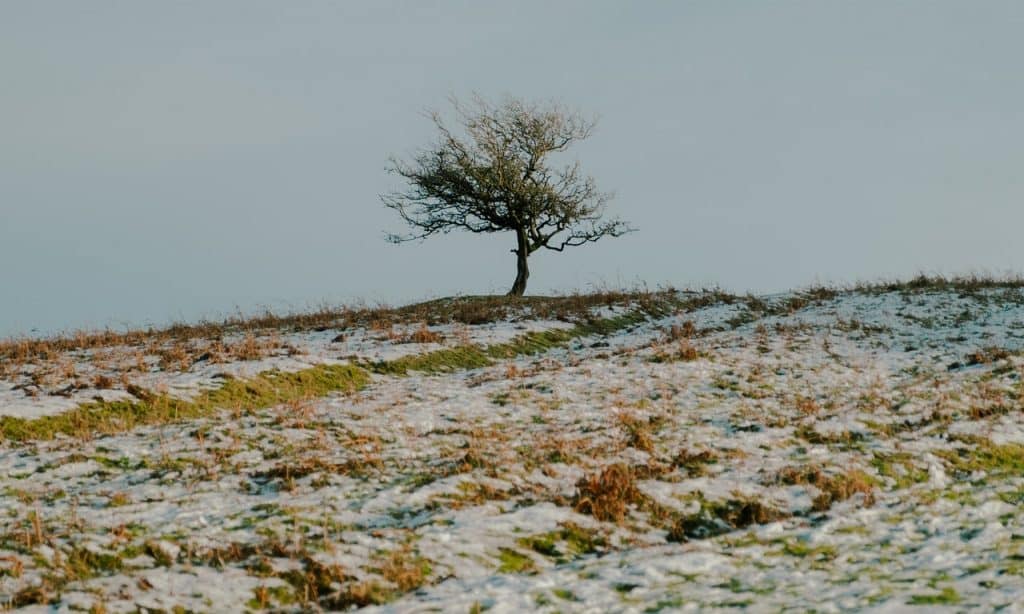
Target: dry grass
{"points": [[966, 284], [66, 363], [638, 432], [103, 382], [606, 495], [467, 310], [405, 570], [987, 355], [683, 350], [695, 462], [678, 332], [807, 405], [422, 335]]}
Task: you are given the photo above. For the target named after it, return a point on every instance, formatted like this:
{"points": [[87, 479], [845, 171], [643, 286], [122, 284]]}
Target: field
{"points": [[828, 449]]}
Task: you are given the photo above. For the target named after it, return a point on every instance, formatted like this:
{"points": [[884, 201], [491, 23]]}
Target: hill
{"points": [[825, 449]]}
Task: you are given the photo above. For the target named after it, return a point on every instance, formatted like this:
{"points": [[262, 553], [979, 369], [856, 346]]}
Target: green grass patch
{"points": [[529, 344], [568, 542], [985, 456], [900, 468], [264, 390], [947, 596], [515, 562], [804, 550], [83, 564]]}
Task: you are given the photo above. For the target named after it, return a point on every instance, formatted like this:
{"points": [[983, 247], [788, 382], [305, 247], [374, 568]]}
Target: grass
{"points": [[900, 468], [467, 310], [695, 463], [473, 357], [48, 363], [922, 283], [803, 550], [845, 438], [833, 486], [274, 387], [515, 562], [606, 495], [173, 339], [523, 431], [719, 517], [406, 570], [680, 351], [948, 596], [985, 456], [568, 542], [264, 390]]}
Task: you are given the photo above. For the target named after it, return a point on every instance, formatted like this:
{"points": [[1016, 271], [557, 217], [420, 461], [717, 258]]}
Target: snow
{"points": [[391, 470]]}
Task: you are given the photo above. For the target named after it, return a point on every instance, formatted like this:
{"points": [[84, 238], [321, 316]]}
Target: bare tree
{"points": [[497, 177]]}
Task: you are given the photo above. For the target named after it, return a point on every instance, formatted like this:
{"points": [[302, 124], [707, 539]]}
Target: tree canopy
{"points": [[497, 176]]}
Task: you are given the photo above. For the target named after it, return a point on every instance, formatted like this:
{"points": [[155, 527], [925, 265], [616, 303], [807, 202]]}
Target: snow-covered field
{"points": [[863, 450]]}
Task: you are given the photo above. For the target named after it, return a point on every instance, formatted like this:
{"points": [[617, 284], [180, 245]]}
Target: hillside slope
{"points": [[819, 449]]}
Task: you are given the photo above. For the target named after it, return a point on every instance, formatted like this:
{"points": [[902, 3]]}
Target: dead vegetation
{"points": [[695, 462], [422, 335], [470, 310], [987, 355], [467, 310], [639, 432], [67, 363], [607, 494]]}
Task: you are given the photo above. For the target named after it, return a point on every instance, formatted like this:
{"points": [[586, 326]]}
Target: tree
{"points": [[498, 177]]}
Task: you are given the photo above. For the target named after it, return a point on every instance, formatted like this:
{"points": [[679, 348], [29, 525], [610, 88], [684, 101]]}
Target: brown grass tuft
{"points": [[638, 432], [984, 356], [606, 495], [807, 405], [422, 335], [678, 332], [405, 570], [695, 463]]}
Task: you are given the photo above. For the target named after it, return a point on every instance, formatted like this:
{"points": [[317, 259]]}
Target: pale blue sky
{"points": [[164, 161]]}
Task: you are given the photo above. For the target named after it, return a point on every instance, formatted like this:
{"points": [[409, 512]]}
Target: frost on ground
{"points": [[834, 451]]}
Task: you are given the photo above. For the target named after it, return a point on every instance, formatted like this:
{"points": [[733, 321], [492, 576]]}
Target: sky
{"points": [[170, 161]]}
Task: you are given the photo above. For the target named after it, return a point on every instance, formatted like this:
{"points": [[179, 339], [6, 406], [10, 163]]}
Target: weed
{"points": [[678, 332], [684, 351]]}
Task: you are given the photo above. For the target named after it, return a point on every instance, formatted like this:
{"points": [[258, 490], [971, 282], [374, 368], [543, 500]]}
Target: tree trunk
{"points": [[522, 252]]}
